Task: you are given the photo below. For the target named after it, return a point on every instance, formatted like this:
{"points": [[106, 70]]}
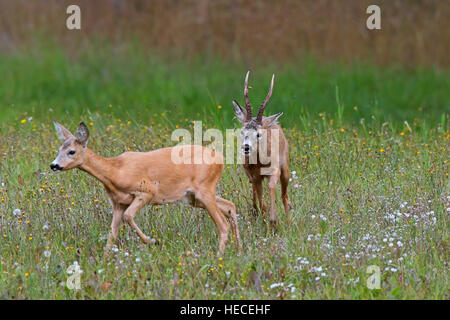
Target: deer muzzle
{"points": [[56, 167]]}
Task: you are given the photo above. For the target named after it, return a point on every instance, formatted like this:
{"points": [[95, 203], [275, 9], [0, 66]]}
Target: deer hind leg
{"points": [[229, 210], [284, 179], [273, 180], [139, 201], [209, 203]]}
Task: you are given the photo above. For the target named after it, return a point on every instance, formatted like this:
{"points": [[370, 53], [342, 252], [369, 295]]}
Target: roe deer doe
{"points": [[135, 179]]}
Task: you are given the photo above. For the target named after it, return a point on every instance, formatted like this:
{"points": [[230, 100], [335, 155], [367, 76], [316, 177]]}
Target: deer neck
{"points": [[97, 167]]}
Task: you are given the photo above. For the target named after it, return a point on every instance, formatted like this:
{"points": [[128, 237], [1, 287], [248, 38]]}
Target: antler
{"points": [[247, 101], [263, 105]]}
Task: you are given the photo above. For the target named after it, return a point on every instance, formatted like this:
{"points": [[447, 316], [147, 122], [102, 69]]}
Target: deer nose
{"points": [[55, 167], [246, 148]]}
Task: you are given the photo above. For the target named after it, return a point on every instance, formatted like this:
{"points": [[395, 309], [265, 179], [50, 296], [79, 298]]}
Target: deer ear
{"points": [[63, 133], [240, 112], [82, 134], [271, 120]]}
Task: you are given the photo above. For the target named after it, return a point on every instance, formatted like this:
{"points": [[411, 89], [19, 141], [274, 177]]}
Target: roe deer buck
{"points": [[134, 179], [256, 135]]}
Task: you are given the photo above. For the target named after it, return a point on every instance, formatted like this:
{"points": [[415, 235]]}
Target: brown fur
{"points": [[251, 126], [135, 179], [281, 172]]}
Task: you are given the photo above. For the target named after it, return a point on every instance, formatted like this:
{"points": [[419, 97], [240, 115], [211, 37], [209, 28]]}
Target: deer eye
{"points": [[258, 135], [72, 152]]}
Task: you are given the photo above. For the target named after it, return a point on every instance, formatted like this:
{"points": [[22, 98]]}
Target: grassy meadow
{"points": [[369, 171]]}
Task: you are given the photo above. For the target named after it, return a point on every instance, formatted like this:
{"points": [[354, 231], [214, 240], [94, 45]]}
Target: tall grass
{"points": [[362, 195]]}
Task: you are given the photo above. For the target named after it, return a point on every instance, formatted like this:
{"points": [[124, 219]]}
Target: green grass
{"points": [[130, 84], [354, 186], [372, 192]]}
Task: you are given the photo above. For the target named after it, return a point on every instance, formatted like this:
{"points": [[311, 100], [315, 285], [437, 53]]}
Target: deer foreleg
{"points": [[139, 201], [259, 194], [255, 196], [118, 211]]}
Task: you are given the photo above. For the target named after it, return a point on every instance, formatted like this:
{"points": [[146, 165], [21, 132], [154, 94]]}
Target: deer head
{"points": [[71, 153], [253, 128]]}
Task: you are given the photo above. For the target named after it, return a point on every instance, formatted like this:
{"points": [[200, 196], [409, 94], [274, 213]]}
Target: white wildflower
{"points": [[275, 285]]}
